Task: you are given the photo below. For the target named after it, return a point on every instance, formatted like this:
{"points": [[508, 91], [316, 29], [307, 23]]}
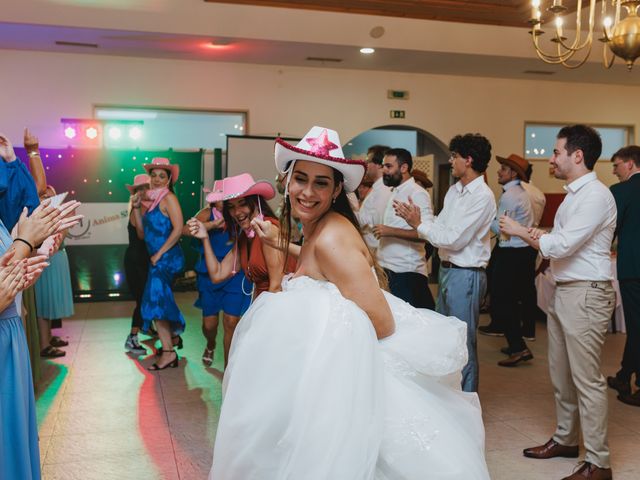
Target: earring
{"points": [[334, 200]]}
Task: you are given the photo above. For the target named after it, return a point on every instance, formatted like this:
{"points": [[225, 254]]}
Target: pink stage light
{"points": [[91, 132], [70, 132]]}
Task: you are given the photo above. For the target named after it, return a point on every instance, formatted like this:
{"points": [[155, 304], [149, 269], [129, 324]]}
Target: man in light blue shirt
{"points": [[513, 260]]}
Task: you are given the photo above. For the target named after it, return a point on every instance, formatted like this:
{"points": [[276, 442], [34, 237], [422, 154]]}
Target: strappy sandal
{"points": [[52, 352], [207, 357], [177, 345], [172, 364]]}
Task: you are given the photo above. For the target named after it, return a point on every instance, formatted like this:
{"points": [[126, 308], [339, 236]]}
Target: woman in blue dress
{"points": [[19, 453], [159, 221], [232, 296]]}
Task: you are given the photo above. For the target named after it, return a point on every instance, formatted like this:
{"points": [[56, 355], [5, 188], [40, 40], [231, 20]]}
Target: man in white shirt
{"points": [[401, 252], [580, 310], [538, 200], [461, 233], [375, 203]]}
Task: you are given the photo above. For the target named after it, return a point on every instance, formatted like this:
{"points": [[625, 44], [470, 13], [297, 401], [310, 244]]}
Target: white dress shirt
{"points": [[372, 210], [461, 231], [538, 201], [515, 200], [397, 254], [579, 245]]}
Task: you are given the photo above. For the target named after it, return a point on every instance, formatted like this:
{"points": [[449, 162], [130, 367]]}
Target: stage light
{"points": [[115, 133], [135, 133], [70, 132], [91, 133]]}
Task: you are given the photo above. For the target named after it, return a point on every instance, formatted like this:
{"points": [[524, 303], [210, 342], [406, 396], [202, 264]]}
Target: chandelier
{"points": [[621, 32]]}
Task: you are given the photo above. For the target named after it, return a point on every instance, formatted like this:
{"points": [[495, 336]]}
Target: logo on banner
{"points": [[103, 224]]}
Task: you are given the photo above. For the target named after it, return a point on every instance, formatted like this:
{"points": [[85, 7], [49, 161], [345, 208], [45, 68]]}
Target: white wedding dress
{"points": [[311, 394]]}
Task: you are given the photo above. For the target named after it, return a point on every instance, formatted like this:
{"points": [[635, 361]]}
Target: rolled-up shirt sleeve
{"points": [[458, 234], [580, 226]]}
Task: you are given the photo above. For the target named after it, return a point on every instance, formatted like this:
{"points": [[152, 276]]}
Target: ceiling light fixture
{"points": [[369, 50], [620, 35]]}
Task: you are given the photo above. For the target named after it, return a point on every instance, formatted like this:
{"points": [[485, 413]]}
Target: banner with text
{"points": [[103, 224]]}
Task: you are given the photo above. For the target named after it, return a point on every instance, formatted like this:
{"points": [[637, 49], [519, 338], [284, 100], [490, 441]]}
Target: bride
{"points": [[334, 378]]}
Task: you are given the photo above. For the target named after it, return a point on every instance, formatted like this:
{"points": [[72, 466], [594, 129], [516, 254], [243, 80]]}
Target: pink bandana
{"points": [[154, 197]]}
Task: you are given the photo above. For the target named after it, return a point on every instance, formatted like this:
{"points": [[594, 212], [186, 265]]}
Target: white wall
{"points": [[37, 89]]}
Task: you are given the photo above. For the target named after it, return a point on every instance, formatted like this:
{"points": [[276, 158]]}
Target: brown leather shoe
{"points": [[592, 472], [516, 357], [623, 388], [551, 449], [631, 399]]}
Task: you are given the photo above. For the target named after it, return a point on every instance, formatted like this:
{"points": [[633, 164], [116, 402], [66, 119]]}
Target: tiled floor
{"points": [[103, 416]]}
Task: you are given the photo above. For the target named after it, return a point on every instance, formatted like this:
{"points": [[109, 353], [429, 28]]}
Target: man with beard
{"points": [[461, 233], [401, 252]]}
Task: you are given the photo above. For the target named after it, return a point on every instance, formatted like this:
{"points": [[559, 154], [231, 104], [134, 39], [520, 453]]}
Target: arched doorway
{"points": [[419, 142]]}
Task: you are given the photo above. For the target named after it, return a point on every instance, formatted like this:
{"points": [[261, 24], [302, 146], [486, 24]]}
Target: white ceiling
{"points": [[185, 29]]}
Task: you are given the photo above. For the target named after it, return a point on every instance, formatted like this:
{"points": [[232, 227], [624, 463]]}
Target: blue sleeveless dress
{"points": [[228, 295], [157, 301], [19, 452]]}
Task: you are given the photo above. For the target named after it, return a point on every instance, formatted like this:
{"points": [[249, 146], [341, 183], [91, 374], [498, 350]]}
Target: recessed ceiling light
{"points": [[367, 50]]}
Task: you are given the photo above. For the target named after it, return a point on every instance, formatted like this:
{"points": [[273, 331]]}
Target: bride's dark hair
{"points": [[342, 206]]}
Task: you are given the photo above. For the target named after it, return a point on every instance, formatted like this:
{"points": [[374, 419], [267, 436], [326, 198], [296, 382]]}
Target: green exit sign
{"points": [[397, 113], [398, 94]]}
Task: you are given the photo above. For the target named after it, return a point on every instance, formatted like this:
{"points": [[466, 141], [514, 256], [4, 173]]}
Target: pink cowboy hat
{"points": [[138, 181], [239, 186], [161, 162], [321, 145], [215, 194]]}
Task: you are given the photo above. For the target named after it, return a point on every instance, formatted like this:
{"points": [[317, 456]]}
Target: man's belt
{"points": [[447, 264]]}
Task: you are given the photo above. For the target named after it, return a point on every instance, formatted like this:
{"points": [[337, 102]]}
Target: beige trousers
{"points": [[577, 322]]}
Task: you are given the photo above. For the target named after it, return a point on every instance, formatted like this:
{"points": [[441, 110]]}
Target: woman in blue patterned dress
{"points": [[159, 221]]}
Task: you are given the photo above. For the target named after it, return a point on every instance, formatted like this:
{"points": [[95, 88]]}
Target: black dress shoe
{"points": [[516, 357], [490, 331], [623, 388], [631, 399]]}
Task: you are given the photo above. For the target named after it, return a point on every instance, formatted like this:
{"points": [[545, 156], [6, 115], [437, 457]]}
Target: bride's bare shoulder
{"points": [[337, 231]]}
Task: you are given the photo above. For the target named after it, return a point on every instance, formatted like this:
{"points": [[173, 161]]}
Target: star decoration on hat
{"points": [[321, 145]]}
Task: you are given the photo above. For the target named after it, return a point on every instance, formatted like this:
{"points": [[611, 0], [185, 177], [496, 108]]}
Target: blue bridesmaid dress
{"points": [[157, 301], [19, 451]]}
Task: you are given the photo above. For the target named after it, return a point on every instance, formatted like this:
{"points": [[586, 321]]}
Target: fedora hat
{"points": [[138, 181], [517, 163], [239, 186], [321, 145], [163, 163]]}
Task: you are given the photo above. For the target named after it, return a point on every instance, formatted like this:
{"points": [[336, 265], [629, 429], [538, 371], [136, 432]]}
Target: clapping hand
{"points": [[68, 219], [197, 228], [136, 199], [6, 149], [410, 212], [12, 278]]}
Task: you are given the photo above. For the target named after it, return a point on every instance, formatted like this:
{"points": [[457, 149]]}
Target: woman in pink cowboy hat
{"points": [[158, 219], [333, 377], [245, 199], [232, 296], [136, 266]]}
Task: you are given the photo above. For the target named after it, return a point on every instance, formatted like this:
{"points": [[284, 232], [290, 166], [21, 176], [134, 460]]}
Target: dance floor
{"points": [[103, 416]]}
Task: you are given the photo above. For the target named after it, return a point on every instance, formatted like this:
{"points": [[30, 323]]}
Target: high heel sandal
{"points": [[178, 345], [207, 357], [172, 364]]}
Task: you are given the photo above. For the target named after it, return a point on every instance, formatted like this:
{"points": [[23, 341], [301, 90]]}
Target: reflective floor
{"points": [[103, 416]]}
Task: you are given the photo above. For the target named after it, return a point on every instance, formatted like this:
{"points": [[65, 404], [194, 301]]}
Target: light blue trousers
{"points": [[459, 295]]}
